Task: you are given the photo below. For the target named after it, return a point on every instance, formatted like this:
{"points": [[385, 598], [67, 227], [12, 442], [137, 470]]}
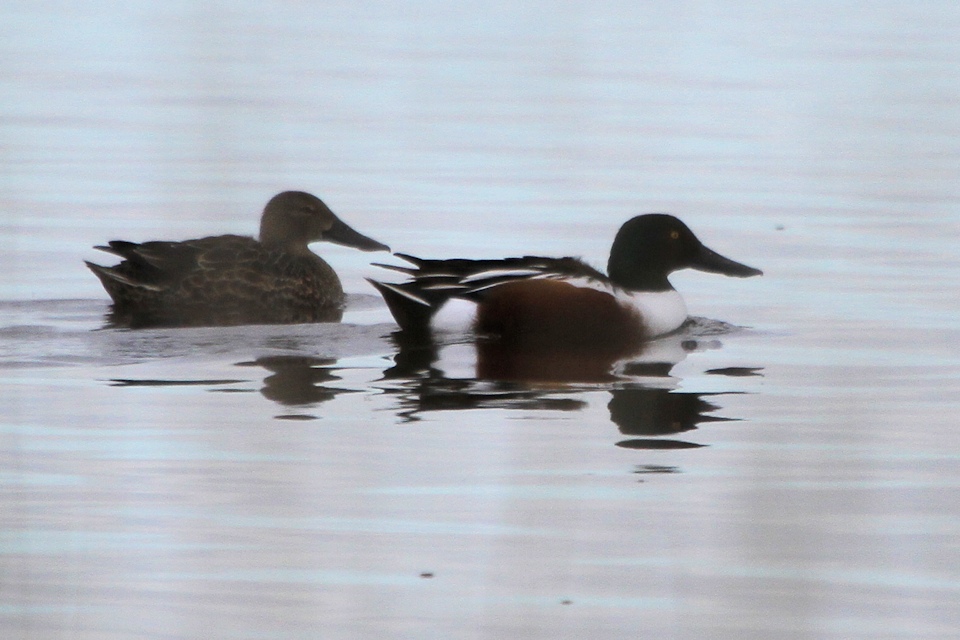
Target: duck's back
{"points": [[218, 280]]}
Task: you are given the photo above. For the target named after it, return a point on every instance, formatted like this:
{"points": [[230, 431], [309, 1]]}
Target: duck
{"points": [[535, 304], [232, 279]]}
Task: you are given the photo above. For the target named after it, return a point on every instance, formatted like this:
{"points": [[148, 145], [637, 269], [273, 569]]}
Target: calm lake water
{"points": [[788, 466]]}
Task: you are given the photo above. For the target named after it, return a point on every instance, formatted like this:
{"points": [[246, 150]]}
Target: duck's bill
{"points": [[712, 262], [344, 234]]}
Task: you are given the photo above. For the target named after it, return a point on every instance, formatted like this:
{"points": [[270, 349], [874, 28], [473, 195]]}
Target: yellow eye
{"points": [[674, 235]]}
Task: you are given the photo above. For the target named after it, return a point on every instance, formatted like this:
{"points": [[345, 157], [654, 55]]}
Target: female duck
{"points": [[230, 279]]}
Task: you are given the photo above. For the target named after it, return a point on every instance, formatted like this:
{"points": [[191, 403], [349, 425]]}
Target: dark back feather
{"points": [[432, 282]]}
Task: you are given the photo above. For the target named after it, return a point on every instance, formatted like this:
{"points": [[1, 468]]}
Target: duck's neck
{"points": [[637, 279], [627, 273], [286, 245]]}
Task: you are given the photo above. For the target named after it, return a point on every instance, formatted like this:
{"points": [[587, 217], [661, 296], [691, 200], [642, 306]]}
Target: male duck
{"points": [[230, 279], [546, 303]]}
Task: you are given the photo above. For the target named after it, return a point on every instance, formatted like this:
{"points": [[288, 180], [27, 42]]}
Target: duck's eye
{"points": [[674, 235]]}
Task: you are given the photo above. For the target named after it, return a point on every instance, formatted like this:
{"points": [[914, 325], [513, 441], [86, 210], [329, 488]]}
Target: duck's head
{"points": [[293, 219], [650, 247]]}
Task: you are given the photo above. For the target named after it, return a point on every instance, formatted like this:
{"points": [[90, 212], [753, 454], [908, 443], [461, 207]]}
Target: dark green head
{"points": [[650, 247]]}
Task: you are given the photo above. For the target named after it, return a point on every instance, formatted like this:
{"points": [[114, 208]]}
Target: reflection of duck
{"points": [[640, 411], [537, 307], [643, 401], [494, 360], [423, 387], [230, 279], [298, 380]]}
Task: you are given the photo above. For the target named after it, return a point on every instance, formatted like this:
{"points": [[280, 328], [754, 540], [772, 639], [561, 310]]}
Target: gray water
{"points": [[793, 471]]}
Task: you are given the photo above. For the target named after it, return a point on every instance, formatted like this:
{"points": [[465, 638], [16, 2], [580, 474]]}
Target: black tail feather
{"points": [[411, 313]]}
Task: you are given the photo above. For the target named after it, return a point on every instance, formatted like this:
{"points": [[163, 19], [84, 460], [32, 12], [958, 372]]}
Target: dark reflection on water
{"points": [[131, 382], [426, 388], [436, 392], [644, 403], [736, 372], [298, 380], [496, 361], [640, 411], [640, 405]]}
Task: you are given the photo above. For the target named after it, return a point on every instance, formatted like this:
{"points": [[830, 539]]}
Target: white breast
{"points": [[662, 311]]}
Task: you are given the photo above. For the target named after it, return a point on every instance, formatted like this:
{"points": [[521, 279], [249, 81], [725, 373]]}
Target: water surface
{"points": [[787, 466]]}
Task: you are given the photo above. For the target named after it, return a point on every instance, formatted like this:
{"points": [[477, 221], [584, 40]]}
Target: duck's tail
{"points": [[411, 311]]}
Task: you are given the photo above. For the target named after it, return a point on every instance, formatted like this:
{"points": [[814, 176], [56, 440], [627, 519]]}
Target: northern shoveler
{"points": [[537, 303], [231, 279]]}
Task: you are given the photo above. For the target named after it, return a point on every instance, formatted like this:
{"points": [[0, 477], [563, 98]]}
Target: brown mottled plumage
{"points": [[230, 279]]}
